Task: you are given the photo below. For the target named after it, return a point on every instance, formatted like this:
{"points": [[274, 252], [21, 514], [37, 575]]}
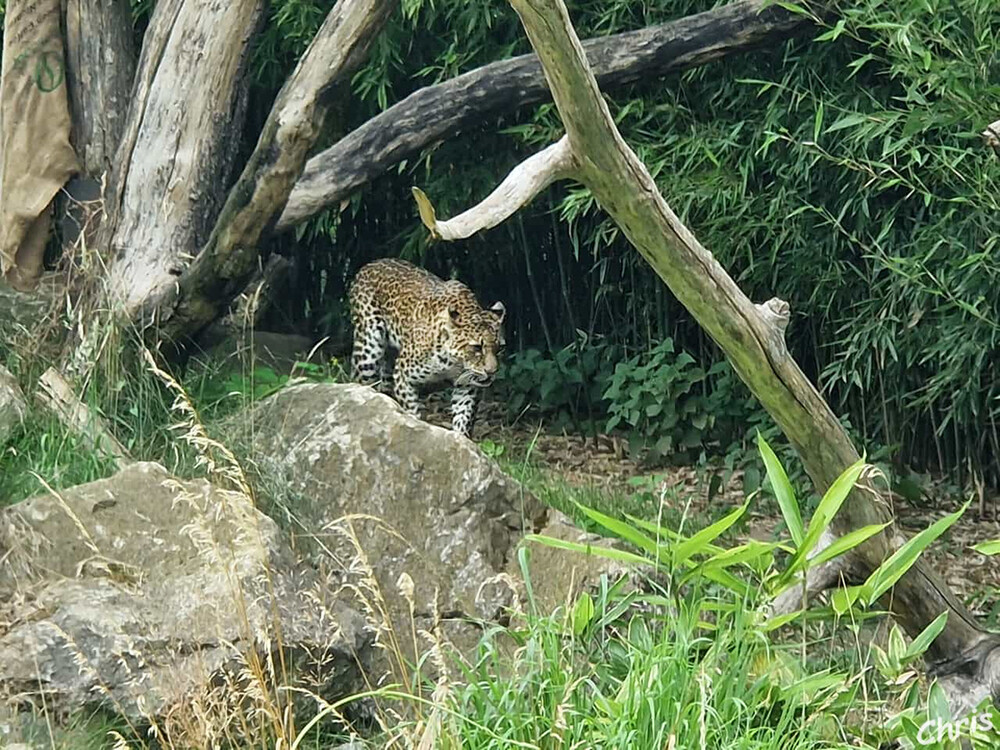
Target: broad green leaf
{"points": [[774, 623], [793, 8], [824, 514], [625, 531], [890, 571], [782, 491], [590, 549], [728, 580], [583, 613], [846, 543], [847, 121], [937, 704], [844, 598], [988, 548], [919, 644], [665, 533], [896, 646], [698, 542], [911, 730], [752, 550], [807, 688], [745, 553]]}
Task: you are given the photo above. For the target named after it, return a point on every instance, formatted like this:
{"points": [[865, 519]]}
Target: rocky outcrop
{"points": [[392, 500], [139, 591], [559, 576]]}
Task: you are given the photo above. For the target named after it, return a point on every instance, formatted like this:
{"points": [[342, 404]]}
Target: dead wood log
{"points": [[228, 260], [173, 164], [437, 112], [752, 336], [100, 56]]}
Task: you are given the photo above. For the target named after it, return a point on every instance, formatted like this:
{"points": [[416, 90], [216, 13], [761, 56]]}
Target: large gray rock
{"points": [[367, 489], [137, 591], [12, 405], [559, 576]]}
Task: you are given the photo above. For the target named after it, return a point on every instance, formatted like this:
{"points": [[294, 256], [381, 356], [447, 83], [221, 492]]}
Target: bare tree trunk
{"points": [[173, 165], [101, 65], [100, 57], [752, 336], [436, 112], [229, 258]]}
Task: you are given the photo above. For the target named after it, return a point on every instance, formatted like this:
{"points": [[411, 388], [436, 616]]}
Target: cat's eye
{"points": [[477, 348]]}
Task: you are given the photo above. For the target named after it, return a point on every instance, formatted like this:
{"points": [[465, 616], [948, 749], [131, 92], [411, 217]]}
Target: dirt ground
{"points": [[604, 464]]}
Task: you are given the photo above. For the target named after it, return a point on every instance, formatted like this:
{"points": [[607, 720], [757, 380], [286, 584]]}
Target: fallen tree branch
{"points": [[57, 395], [437, 112], [227, 262], [518, 189]]}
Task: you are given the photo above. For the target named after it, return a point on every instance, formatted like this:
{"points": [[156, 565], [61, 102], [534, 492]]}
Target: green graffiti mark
{"points": [[49, 72]]}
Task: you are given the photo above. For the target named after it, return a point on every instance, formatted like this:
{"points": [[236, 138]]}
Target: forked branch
{"points": [[229, 258], [434, 113]]}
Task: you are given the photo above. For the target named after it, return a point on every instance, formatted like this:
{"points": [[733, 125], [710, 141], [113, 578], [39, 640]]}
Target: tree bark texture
{"points": [[173, 165], [101, 61], [752, 337], [230, 257], [437, 112]]}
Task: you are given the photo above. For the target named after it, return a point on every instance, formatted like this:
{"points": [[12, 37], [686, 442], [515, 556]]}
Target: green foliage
{"points": [[566, 387], [596, 676], [492, 450], [843, 173], [667, 404], [219, 393], [812, 170], [661, 399], [42, 452], [744, 578]]}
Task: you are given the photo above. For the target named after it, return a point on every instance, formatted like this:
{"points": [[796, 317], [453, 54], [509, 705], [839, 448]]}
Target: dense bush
{"points": [[566, 387], [664, 401]]}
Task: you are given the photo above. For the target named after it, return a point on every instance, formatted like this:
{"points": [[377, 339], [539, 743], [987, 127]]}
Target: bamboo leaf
{"points": [[782, 491], [902, 559], [920, 644], [590, 549]]}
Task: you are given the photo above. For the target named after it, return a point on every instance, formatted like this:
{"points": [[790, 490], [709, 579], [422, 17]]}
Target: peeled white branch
{"points": [[992, 136], [518, 189]]}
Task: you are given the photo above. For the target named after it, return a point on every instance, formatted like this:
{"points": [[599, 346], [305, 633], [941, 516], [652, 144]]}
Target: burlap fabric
{"points": [[36, 157]]}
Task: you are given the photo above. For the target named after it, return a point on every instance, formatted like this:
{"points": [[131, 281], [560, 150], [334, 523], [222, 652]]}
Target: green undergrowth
{"points": [[586, 679], [566, 497], [137, 411]]}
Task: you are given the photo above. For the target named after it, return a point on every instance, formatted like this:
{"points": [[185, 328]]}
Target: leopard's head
{"points": [[474, 340]]}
